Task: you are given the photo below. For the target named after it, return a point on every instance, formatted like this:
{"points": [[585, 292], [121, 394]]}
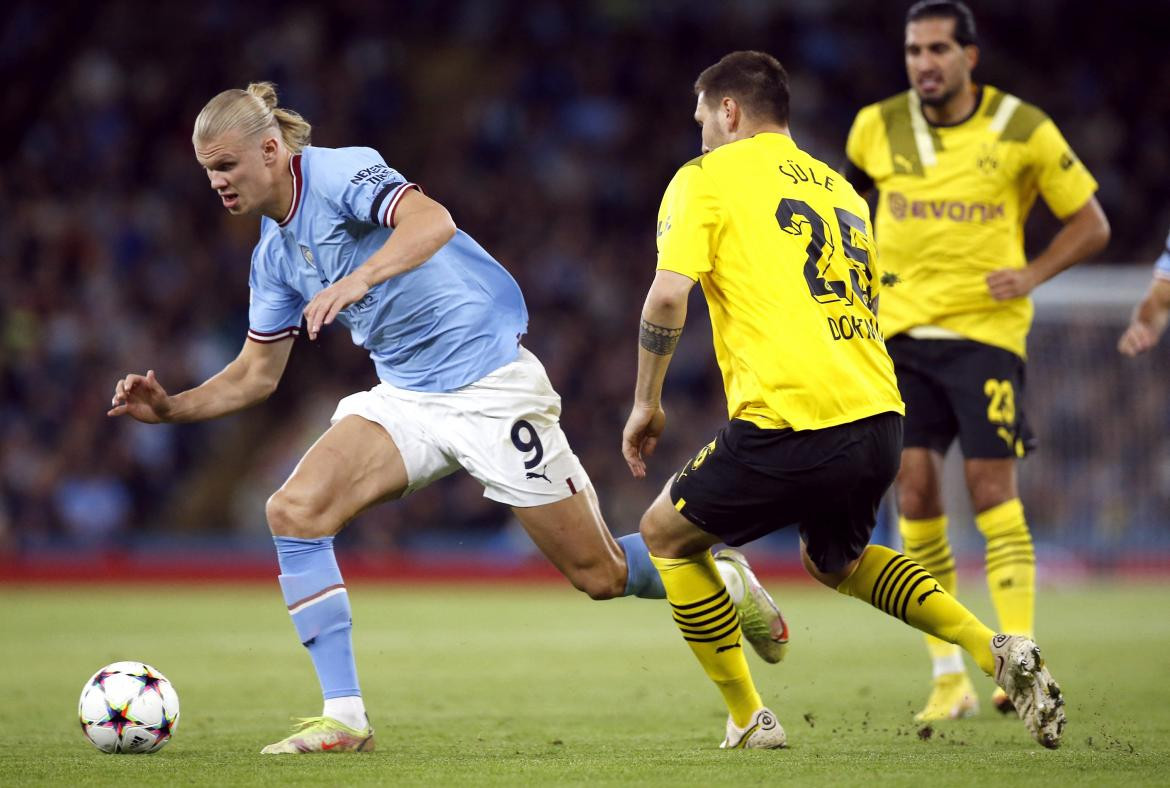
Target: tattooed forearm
{"points": [[659, 340]]}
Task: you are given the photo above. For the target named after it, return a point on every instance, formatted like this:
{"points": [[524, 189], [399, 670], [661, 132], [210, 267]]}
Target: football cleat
{"points": [[1001, 702], [759, 617], [1021, 672], [323, 734], [763, 732], [952, 698]]}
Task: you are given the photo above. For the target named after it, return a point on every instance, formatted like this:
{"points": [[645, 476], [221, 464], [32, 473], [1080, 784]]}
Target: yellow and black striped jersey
{"points": [[952, 205], [781, 246]]}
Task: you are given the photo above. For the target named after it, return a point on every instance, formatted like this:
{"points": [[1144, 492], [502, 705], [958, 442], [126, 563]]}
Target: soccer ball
{"points": [[128, 707]]}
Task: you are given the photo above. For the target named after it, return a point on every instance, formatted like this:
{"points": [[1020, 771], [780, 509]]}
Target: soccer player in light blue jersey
{"points": [[1152, 313], [346, 238]]}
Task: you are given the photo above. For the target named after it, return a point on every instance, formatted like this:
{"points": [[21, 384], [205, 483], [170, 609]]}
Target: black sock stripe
{"points": [[881, 578], [910, 544], [995, 566], [716, 620], [938, 570], [910, 593], [887, 596], [701, 602], [706, 611], [1001, 544], [933, 555], [904, 582], [734, 626]]}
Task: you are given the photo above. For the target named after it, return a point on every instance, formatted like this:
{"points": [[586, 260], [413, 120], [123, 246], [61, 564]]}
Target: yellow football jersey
{"points": [[952, 205], [781, 246]]}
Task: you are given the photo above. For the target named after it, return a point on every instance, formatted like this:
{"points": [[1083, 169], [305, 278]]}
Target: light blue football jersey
{"points": [[1162, 265], [445, 324]]}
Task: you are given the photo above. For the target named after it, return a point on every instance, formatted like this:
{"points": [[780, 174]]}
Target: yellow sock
{"points": [[925, 542], [894, 584], [707, 619], [1011, 566]]}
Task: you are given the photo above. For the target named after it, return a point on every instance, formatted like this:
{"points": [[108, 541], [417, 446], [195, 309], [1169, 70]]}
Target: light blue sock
{"points": [[319, 606], [642, 578]]}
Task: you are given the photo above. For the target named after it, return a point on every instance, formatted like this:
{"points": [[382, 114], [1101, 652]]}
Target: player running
{"points": [[1152, 313], [782, 247], [344, 237], [957, 167]]}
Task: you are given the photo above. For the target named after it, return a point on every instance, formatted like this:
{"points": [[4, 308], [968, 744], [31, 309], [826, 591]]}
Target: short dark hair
{"points": [[947, 9], [754, 79]]}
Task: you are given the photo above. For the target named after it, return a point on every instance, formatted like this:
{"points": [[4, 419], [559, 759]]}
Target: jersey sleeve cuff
{"points": [[268, 337], [678, 269], [392, 200]]}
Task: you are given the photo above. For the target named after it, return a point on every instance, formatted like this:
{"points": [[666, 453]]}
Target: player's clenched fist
{"points": [[141, 397]]}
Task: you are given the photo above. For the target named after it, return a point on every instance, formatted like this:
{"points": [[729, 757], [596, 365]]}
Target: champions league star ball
{"points": [[128, 707]]}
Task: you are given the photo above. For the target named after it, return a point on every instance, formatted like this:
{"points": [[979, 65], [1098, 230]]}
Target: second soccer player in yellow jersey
{"points": [[957, 167], [782, 248]]}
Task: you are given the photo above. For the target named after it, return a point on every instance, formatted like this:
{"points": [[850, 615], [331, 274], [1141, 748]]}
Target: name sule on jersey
{"points": [[806, 174]]}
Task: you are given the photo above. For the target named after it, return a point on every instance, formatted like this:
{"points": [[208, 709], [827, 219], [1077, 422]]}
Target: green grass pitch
{"points": [[538, 685]]}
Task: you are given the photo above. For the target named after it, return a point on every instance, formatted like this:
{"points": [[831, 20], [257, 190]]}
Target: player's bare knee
{"points": [[656, 537], [918, 501], [990, 493], [288, 516]]}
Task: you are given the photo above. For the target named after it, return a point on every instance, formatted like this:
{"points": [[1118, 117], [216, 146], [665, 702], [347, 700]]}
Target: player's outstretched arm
{"points": [[1149, 320], [421, 227], [250, 378], [1084, 234], [663, 317]]}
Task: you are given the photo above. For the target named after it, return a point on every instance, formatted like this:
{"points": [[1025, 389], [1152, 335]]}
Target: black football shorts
{"points": [[750, 481], [958, 387]]}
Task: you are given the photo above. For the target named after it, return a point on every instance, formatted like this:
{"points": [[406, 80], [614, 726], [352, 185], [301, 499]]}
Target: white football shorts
{"points": [[504, 429]]}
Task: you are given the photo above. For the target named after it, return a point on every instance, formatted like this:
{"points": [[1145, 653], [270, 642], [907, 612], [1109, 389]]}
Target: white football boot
{"points": [[763, 732], [1021, 673], [759, 617]]}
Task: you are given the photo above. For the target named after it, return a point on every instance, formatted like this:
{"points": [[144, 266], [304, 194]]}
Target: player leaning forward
{"points": [[958, 166], [782, 247], [344, 237]]}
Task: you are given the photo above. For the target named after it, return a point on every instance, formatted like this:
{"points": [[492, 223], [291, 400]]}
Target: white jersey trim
{"points": [[392, 203], [267, 337]]}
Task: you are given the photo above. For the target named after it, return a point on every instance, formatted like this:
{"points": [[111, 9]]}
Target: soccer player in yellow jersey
{"points": [[957, 167], [782, 247]]}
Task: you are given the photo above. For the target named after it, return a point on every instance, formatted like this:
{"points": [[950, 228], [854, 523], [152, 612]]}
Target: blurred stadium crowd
{"points": [[550, 130]]}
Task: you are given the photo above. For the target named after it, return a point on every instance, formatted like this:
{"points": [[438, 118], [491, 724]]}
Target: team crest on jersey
{"points": [[986, 161], [308, 254]]}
